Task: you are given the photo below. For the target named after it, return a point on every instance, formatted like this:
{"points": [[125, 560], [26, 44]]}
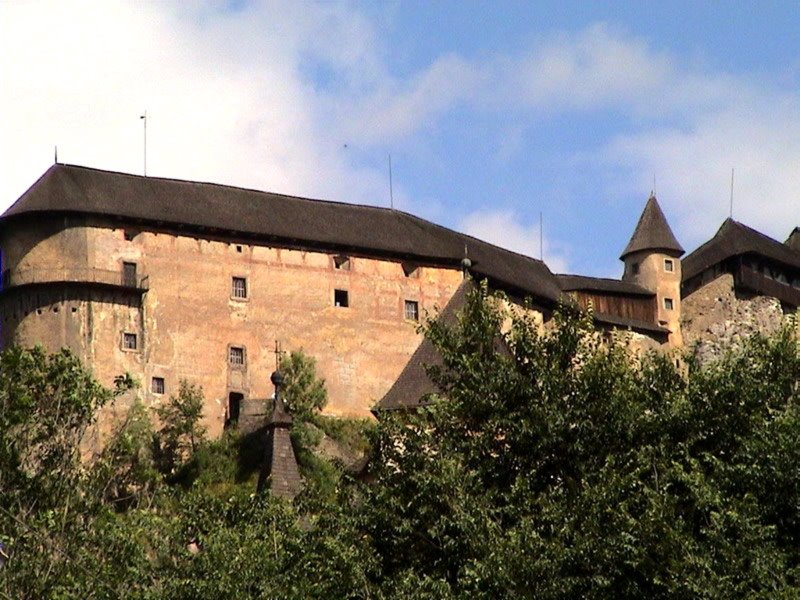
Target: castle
{"points": [[172, 280]]}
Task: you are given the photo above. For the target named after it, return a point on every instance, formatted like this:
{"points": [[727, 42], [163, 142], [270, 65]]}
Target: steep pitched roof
{"points": [[652, 232], [413, 383], [581, 283], [735, 239], [275, 218], [793, 241]]}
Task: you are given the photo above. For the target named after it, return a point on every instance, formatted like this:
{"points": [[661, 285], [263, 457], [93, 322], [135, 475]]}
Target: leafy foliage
{"points": [[553, 464], [303, 391], [181, 432]]}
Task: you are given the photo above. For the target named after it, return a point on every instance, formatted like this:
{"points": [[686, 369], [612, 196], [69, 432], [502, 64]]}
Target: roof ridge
{"points": [[226, 186]]}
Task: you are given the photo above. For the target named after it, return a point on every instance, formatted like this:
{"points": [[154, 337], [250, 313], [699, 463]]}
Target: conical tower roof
{"points": [[652, 232]]}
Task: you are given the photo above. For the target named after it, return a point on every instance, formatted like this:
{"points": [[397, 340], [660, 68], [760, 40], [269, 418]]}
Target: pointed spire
{"points": [[652, 232], [279, 472]]}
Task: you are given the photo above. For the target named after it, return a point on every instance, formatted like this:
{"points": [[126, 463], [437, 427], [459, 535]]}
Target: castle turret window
{"points": [[669, 266], [157, 385], [668, 303], [341, 298], [239, 288], [236, 356], [129, 341], [412, 310]]}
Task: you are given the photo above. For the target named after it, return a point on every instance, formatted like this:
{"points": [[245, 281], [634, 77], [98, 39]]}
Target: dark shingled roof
{"points": [[793, 241], [735, 239], [279, 219], [573, 283], [628, 323], [413, 383], [652, 232]]}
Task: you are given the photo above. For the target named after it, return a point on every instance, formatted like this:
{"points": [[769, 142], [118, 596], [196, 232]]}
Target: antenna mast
{"points": [[391, 190], [144, 118], [541, 236], [56, 154]]}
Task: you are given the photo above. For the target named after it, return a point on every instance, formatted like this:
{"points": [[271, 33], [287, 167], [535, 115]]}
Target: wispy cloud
{"points": [[505, 228]]}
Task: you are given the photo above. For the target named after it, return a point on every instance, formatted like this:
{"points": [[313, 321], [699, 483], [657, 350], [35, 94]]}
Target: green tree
{"points": [[557, 465], [181, 431], [303, 391]]}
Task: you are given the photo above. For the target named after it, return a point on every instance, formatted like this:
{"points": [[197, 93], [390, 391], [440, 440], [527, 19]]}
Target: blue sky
{"points": [[493, 112]]}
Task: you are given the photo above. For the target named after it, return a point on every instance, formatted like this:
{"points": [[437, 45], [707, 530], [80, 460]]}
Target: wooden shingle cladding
{"points": [[219, 211], [616, 303], [759, 264]]}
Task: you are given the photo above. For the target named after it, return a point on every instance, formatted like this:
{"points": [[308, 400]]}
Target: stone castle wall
{"points": [[187, 320], [715, 317]]}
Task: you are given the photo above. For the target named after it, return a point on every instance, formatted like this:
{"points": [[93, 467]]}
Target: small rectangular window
{"points": [[668, 304], [239, 287], [412, 310], [129, 274], [236, 356], [635, 268], [340, 298], [341, 262], [157, 385], [669, 267], [129, 341]]}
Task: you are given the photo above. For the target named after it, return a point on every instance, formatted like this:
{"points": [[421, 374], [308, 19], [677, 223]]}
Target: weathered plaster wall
{"points": [[652, 275], [714, 317], [187, 320]]}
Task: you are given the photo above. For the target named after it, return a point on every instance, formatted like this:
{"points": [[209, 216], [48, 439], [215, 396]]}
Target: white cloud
{"points": [[504, 228], [226, 95]]}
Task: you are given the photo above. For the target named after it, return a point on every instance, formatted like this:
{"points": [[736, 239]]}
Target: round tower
{"points": [[652, 260]]}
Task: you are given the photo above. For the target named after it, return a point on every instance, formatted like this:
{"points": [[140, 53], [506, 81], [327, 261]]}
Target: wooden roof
{"points": [[581, 283], [277, 219], [652, 232], [413, 384], [735, 239]]}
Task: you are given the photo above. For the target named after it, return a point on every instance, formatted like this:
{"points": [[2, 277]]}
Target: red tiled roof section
{"points": [[652, 232], [279, 219]]}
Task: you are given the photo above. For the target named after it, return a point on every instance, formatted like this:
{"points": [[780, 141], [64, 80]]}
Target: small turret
{"points": [[652, 260]]}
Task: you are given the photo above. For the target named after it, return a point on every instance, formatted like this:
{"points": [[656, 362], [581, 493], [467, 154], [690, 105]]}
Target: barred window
{"points": [[239, 287], [129, 341], [157, 385], [412, 310], [236, 355]]}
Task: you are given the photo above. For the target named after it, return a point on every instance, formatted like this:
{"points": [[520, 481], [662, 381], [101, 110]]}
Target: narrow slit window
{"points": [[129, 341], [239, 287], [341, 298], [669, 266], [236, 356], [668, 303], [157, 385], [412, 310]]}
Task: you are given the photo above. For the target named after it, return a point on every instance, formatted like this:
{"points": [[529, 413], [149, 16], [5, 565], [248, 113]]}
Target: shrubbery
{"points": [[551, 465]]}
